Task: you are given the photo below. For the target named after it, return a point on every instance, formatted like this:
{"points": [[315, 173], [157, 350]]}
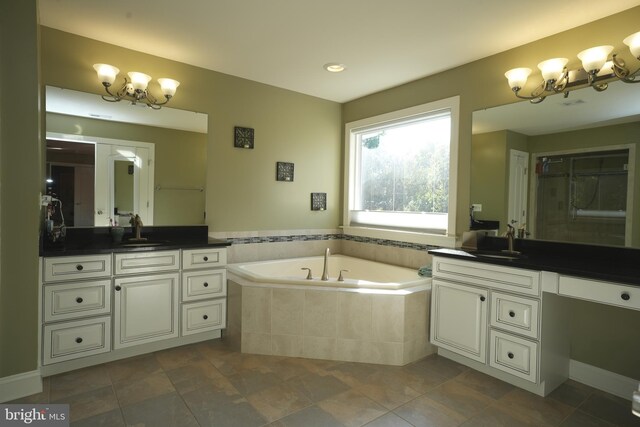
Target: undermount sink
{"points": [[141, 244], [498, 255]]}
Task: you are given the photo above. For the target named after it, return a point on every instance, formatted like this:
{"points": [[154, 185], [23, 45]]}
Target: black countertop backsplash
{"points": [[614, 264], [97, 240]]}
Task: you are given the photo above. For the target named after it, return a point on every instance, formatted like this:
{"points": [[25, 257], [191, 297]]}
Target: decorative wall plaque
{"points": [[318, 201], [284, 171], [243, 137]]}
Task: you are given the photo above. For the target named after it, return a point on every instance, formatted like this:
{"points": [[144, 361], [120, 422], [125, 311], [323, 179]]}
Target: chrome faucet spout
{"points": [[325, 269], [511, 234]]}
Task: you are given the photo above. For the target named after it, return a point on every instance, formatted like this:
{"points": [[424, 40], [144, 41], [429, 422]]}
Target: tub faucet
{"points": [[325, 270]]}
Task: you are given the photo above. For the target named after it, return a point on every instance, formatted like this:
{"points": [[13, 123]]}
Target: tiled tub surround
{"points": [[248, 246], [336, 323]]}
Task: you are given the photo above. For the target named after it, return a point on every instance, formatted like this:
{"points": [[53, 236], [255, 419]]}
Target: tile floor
{"points": [[207, 384]]}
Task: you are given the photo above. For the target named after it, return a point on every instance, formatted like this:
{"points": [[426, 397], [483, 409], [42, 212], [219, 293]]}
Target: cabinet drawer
{"points": [[203, 258], [76, 299], [203, 316], [515, 314], [601, 292], [80, 338], [145, 262], [76, 267], [197, 285], [514, 355], [493, 276]]}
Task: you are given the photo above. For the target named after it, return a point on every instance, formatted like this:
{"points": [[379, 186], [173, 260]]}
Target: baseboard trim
{"points": [[20, 385], [604, 380]]}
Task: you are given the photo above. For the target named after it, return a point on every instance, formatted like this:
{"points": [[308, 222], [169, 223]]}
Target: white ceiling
{"points": [[285, 43]]}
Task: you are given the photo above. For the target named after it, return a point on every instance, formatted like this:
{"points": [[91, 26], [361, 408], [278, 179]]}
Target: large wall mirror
{"points": [[107, 160], [564, 169]]}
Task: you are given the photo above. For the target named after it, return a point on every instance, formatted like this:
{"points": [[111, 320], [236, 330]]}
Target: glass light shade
{"points": [[593, 59], [606, 69], [168, 86], [633, 41], [517, 77], [106, 73], [552, 68], [139, 80]]}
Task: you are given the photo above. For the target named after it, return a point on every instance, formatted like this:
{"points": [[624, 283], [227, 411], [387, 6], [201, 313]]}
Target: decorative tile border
{"points": [[337, 236]]}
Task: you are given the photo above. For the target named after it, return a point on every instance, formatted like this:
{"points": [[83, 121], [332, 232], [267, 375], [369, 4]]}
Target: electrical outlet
{"points": [[477, 207], [45, 200]]}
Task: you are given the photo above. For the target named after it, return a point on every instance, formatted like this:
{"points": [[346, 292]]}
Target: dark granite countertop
{"points": [[613, 264], [97, 240]]}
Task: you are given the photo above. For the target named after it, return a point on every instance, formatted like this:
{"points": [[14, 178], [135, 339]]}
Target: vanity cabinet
{"points": [[204, 290], [495, 319], [459, 318], [145, 304], [98, 308], [76, 302]]}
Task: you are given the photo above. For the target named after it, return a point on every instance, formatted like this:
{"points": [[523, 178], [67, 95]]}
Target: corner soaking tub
{"points": [[357, 273], [378, 314]]}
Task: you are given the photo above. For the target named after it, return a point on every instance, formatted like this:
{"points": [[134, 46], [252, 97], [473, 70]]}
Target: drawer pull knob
{"points": [[79, 300], [512, 313], [206, 258], [510, 355], [118, 288], [482, 298], [78, 340], [205, 284], [205, 317], [79, 267], [625, 296]]}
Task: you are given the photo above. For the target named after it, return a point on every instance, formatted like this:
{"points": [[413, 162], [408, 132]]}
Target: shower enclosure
{"points": [[582, 197]]}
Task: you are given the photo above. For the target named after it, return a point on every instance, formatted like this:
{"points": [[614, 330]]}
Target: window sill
{"points": [[402, 236]]}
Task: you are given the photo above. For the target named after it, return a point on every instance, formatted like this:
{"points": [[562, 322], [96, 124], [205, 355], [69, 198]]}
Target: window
{"points": [[401, 171]]}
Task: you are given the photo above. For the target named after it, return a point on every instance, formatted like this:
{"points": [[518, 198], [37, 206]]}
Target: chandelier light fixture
{"points": [[134, 88], [597, 71]]}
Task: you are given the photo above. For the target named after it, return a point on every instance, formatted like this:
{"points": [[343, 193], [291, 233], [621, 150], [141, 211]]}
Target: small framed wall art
{"points": [[284, 171], [318, 201], [243, 137]]}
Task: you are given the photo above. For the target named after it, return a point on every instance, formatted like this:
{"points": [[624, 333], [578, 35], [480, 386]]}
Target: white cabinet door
{"points": [[459, 319], [145, 309]]}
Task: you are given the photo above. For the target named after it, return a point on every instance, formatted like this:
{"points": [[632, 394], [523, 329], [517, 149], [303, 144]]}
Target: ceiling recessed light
{"points": [[334, 67]]}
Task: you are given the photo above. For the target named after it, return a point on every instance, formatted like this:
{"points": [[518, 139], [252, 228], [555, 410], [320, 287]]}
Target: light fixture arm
{"points": [[622, 72]]}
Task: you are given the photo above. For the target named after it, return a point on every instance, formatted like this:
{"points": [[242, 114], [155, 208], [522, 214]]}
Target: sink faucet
{"points": [[511, 234], [325, 270], [136, 224]]}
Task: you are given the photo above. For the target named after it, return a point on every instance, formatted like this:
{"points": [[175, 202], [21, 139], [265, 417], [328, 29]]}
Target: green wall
{"points": [[180, 161], [20, 185], [241, 190]]}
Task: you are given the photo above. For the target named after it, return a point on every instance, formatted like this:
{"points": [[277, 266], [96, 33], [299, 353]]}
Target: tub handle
{"points": [[340, 278], [309, 276]]}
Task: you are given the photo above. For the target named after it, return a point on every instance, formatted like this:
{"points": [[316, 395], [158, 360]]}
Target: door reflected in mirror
{"points": [[70, 178], [123, 187]]}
